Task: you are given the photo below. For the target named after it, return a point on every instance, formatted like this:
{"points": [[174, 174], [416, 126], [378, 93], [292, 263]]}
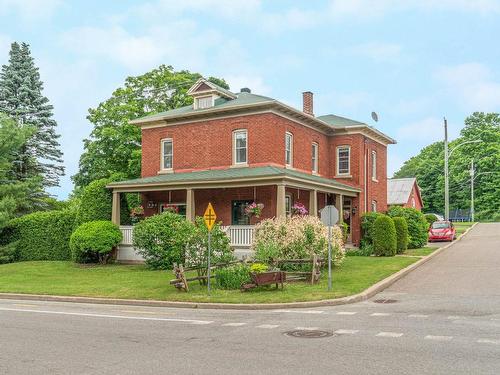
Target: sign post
{"points": [[209, 217], [329, 217]]}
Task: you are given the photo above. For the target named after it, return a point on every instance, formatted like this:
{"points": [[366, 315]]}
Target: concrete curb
{"points": [[364, 295]]}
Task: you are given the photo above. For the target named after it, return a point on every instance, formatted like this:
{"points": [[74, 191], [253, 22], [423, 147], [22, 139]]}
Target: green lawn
{"points": [[137, 282], [462, 227], [423, 251]]}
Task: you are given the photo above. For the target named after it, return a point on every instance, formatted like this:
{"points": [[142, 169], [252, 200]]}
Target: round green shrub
{"points": [[384, 236], [232, 277], [94, 241], [417, 225], [162, 239], [367, 220], [42, 235], [402, 236], [430, 218]]}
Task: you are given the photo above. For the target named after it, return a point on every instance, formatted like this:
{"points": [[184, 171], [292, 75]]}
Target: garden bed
{"points": [[137, 282]]}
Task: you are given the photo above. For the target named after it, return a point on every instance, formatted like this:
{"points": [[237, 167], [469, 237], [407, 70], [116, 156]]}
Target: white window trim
{"points": [[203, 97], [315, 156], [348, 173], [289, 198], [162, 155], [235, 163], [374, 166], [289, 165]]}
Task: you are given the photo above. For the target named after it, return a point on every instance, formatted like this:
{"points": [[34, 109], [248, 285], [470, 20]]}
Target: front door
{"points": [[238, 216], [346, 208]]}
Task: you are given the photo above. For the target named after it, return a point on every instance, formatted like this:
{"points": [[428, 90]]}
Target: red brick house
{"points": [[232, 149], [404, 192]]}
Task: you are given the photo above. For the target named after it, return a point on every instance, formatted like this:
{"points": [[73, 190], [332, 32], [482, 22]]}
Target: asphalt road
{"points": [[445, 319]]}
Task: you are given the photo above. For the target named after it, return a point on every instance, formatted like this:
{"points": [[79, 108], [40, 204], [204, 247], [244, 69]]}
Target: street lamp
{"points": [[446, 172]]}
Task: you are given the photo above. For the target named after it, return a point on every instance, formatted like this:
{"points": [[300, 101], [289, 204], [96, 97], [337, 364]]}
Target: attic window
{"points": [[203, 102]]}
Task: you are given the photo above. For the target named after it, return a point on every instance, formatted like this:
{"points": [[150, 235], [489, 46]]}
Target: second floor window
{"points": [[240, 145], [167, 152], [288, 149], [343, 160], [315, 157], [374, 165]]}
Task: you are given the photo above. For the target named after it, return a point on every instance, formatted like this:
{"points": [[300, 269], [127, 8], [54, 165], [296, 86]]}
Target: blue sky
{"points": [[411, 61]]}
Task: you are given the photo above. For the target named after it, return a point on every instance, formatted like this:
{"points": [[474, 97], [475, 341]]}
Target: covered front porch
{"points": [[230, 191]]}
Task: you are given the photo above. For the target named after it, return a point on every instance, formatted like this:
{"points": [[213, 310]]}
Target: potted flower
{"points": [[299, 209], [136, 214], [254, 209], [171, 208]]}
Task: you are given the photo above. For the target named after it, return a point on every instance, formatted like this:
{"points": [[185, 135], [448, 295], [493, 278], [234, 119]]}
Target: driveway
{"points": [[444, 319]]}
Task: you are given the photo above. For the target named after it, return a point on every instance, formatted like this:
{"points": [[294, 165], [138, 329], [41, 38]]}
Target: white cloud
{"points": [[473, 84], [30, 10], [378, 51]]}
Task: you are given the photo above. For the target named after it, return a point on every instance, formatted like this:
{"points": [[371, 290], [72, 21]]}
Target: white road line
{"points": [[24, 305], [380, 314], [488, 341], [420, 316], [139, 312], [346, 312], [454, 317], [299, 311], [346, 331], [389, 334], [234, 324], [268, 326], [438, 338], [307, 328], [192, 321]]}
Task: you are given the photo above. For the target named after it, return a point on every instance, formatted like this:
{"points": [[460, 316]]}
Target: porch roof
{"points": [[249, 176]]}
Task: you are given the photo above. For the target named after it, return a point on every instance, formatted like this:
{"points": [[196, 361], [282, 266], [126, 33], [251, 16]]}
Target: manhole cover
{"points": [[308, 334], [385, 300]]}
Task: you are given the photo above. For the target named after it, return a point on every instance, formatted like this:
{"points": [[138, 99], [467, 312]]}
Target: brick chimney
{"points": [[307, 103]]}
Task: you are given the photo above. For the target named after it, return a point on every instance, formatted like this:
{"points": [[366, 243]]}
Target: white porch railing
{"points": [[240, 235], [127, 234]]}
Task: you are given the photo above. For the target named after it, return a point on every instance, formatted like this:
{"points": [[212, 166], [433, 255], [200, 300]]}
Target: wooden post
{"points": [[339, 203], [280, 201], [190, 205], [115, 208], [313, 203]]}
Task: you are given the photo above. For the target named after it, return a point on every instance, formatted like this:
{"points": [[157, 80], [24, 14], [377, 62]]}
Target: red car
{"points": [[442, 231]]}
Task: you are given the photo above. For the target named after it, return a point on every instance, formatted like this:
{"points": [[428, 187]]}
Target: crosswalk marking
{"points": [[268, 326], [389, 334], [346, 312], [307, 328], [234, 324], [438, 338], [489, 341], [346, 331], [454, 317], [300, 311], [420, 316], [380, 314]]}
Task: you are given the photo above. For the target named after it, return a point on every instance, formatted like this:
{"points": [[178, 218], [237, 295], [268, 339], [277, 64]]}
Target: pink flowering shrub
{"points": [[298, 237], [299, 209], [254, 209]]}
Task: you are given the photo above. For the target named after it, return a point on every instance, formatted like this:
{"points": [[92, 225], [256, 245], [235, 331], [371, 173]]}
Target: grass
{"points": [[461, 227], [137, 282], [423, 251]]}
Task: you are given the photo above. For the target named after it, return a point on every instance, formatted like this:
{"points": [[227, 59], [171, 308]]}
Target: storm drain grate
{"points": [[308, 334], [385, 300]]}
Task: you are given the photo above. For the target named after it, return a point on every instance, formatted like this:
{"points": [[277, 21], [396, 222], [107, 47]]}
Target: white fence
{"points": [[241, 237]]}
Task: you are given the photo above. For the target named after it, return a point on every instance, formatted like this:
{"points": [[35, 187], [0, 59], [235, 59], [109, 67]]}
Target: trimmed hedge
{"points": [[402, 236], [9, 253], [42, 235], [384, 236], [367, 221], [417, 225], [430, 218], [97, 200], [94, 241]]}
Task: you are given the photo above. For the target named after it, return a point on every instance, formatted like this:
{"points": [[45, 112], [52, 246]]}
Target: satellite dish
{"points": [[375, 116]]}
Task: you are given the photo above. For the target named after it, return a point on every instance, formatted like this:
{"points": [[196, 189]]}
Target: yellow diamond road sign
{"points": [[209, 216]]}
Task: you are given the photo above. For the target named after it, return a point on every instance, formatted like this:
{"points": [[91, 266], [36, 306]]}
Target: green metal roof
{"points": [[230, 174], [242, 98], [338, 121]]}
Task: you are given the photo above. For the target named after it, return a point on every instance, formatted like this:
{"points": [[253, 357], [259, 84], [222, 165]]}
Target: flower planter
{"points": [[266, 278]]}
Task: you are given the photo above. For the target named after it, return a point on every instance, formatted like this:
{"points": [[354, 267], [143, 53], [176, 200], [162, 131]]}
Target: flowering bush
{"points": [[136, 214], [298, 237], [299, 209], [254, 209]]}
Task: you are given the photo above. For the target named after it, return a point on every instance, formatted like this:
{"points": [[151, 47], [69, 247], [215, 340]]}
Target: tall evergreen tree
{"points": [[21, 98]]}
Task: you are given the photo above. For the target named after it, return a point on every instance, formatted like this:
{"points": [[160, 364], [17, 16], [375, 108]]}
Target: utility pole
{"points": [[446, 182], [472, 190]]}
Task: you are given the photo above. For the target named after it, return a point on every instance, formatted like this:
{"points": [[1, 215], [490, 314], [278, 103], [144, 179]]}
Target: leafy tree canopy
{"points": [[428, 167], [114, 145]]}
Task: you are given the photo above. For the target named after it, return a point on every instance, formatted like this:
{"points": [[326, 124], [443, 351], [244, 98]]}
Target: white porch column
{"points": [[190, 205], [313, 203], [339, 202], [280, 201], [115, 208]]}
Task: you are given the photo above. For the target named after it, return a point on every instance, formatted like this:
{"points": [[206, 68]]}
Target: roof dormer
{"points": [[205, 93]]}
